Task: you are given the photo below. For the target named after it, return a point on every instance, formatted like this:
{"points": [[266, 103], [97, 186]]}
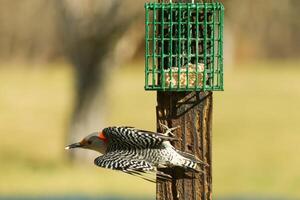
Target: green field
{"points": [[256, 131]]}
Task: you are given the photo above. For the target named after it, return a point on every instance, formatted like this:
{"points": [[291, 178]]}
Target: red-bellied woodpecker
{"points": [[135, 151]]}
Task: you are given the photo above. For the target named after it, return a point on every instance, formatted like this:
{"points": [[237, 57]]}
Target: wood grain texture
{"points": [[192, 111]]}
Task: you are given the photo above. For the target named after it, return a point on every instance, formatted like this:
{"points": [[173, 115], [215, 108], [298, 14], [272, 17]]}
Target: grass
{"points": [[255, 131]]}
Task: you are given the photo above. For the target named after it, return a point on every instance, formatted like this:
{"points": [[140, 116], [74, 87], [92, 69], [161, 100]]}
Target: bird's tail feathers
{"points": [[191, 162], [192, 157]]}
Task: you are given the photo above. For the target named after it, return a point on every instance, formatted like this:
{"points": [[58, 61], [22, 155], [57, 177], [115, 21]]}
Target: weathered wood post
{"points": [[192, 111], [184, 63]]}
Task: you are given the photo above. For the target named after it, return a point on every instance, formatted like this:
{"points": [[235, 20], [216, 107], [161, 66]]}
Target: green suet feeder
{"points": [[184, 46]]}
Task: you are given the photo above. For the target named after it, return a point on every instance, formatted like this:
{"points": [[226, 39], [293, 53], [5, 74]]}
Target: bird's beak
{"points": [[72, 146]]}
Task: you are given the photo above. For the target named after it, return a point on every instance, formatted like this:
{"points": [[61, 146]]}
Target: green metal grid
{"points": [[184, 46]]}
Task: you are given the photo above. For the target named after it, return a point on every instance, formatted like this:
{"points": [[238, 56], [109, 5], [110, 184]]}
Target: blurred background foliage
{"points": [[70, 67]]}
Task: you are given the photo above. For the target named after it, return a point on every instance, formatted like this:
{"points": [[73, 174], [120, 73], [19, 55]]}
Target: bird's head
{"points": [[95, 141]]}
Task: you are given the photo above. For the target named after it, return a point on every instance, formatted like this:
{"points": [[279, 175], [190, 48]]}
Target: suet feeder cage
{"points": [[184, 46]]}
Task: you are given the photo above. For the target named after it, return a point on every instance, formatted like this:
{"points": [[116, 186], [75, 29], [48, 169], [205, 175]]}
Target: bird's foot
{"points": [[169, 131]]}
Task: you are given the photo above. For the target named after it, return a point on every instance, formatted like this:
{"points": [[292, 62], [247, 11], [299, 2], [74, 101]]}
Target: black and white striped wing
{"points": [[134, 137], [117, 161]]}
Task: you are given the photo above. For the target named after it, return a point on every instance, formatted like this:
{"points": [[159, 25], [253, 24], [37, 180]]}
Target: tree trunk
{"points": [[192, 111], [91, 29]]}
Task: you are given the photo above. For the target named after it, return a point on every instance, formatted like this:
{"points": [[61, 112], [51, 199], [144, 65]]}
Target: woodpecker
{"points": [[137, 152]]}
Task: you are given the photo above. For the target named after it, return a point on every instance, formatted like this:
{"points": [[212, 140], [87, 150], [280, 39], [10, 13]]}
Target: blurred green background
{"points": [[255, 120]]}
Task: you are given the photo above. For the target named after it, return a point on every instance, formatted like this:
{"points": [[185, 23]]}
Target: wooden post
{"points": [[192, 111]]}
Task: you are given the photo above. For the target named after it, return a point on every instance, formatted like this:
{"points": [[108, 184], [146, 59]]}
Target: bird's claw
{"points": [[169, 131]]}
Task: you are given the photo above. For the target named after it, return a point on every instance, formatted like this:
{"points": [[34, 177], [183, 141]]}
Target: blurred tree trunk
{"points": [[91, 29]]}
